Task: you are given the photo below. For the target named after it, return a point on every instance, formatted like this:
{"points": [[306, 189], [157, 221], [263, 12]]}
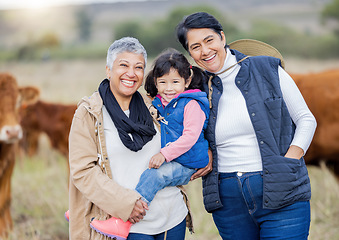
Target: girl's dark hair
{"points": [[196, 20], [172, 58]]}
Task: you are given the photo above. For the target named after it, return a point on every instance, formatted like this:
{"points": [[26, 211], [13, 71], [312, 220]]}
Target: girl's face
{"points": [[126, 75], [207, 48], [171, 84]]}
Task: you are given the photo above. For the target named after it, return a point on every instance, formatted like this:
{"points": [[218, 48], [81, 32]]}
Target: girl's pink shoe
{"points": [[67, 215], [113, 228]]}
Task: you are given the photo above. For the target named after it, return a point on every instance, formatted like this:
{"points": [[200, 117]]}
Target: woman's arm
{"points": [[88, 177], [206, 170], [294, 152], [194, 119], [300, 114]]}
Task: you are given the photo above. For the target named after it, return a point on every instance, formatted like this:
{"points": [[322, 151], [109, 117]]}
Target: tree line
{"points": [[159, 34]]}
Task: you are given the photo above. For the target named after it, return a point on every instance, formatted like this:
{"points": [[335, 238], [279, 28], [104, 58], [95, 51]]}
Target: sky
{"points": [[35, 4]]}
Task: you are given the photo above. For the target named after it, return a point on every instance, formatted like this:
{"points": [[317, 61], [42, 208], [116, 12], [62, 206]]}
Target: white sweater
{"points": [[168, 208], [236, 141]]}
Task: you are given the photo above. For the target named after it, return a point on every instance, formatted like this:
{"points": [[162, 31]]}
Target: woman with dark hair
{"points": [[259, 130]]}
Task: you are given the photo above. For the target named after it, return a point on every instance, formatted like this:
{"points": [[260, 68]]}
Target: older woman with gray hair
{"points": [[111, 141]]}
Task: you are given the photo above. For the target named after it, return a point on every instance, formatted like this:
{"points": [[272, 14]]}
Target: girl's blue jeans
{"points": [[168, 174], [242, 216], [176, 233]]}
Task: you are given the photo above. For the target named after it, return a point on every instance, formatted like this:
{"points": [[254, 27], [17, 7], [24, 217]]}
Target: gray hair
{"points": [[125, 44]]}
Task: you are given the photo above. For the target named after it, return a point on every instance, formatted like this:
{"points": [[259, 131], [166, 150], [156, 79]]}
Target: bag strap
{"points": [[210, 89]]}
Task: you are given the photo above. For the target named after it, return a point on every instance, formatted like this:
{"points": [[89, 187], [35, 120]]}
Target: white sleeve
{"points": [[299, 111]]}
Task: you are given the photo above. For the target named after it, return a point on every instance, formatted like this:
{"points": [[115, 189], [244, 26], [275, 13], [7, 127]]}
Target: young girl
{"points": [[183, 112]]}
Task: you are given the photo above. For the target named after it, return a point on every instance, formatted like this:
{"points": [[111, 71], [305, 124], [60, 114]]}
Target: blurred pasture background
{"points": [[62, 51]]}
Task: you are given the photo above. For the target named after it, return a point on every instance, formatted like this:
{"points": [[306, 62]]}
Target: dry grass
{"points": [[40, 196], [325, 204], [39, 184]]}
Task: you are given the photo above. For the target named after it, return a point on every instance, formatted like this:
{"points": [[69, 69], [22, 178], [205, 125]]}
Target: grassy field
{"points": [[39, 184], [40, 198]]}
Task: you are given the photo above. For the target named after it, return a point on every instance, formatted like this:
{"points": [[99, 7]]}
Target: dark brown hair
{"points": [[194, 21], [167, 60]]}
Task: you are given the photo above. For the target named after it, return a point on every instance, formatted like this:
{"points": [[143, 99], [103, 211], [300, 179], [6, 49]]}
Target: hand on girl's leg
{"points": [[156, 161], [138, 211]]}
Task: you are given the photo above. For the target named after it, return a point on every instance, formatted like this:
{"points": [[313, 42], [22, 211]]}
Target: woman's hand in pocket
{"points": [[294, 152]]}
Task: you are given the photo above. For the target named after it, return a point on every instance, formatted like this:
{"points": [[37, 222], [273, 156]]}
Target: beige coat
{"points": [[92, 193]]}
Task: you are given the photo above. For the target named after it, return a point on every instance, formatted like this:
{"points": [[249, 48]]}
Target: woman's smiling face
{"points": [[207, 48], [126, 74]]}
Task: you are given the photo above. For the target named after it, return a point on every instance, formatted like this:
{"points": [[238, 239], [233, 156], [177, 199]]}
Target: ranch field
{"points": [[39, 183]]}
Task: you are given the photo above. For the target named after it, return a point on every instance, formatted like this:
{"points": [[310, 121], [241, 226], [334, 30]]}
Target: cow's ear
{"points": [[29, 95]]}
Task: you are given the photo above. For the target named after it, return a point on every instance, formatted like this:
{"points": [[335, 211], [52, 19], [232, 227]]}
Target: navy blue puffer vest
{"points": [[172, 127], [285, 180]]}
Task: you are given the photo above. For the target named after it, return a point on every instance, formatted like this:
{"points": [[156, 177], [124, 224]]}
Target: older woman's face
{"points": [[126, 75], [207, 48]]}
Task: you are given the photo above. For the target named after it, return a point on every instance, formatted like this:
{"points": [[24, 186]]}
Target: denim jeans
{"points": [[242, 216], [168, 174], [176, 233]]}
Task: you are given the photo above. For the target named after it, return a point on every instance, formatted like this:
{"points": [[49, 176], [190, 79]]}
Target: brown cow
{"points": [[321, 93], [10, 132], [51, 118]]}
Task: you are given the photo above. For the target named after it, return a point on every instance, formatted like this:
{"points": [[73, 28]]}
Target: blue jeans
{"points": [[176, 233], [243, 217], [169, 174]]}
